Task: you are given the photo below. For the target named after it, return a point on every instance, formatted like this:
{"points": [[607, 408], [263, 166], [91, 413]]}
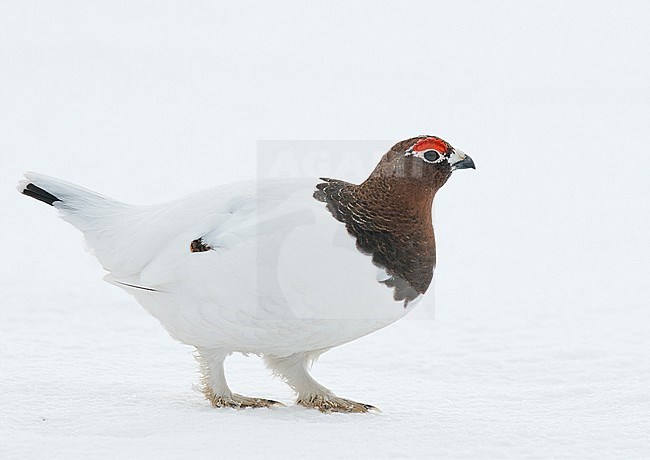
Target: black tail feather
{"points": [[40, 194]]}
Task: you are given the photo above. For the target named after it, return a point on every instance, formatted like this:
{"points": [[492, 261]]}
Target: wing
{"points": [[204, 228]]}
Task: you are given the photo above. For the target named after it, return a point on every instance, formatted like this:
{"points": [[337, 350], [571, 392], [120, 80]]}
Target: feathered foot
{"points": [[331, 403], [214, 385], [294, 369]]}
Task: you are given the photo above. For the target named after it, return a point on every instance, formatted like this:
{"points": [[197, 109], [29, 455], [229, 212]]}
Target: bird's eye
{"points": [[431, 156]]}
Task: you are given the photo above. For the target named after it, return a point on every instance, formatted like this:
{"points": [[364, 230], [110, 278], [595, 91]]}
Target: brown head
{"points": [[423, 162]]}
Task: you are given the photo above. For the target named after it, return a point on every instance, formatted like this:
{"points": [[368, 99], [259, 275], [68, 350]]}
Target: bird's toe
{"points": [[236, 401], [330, 403]]}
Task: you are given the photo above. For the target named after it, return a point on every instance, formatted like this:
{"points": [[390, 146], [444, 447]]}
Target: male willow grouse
{"points": [[286, 269]]}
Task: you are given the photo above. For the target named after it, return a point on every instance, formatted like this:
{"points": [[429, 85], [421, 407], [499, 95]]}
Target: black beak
{"points": [[465, 163]]}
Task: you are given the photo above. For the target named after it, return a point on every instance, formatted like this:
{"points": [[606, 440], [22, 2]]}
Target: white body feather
{"points": [[283, 277]]}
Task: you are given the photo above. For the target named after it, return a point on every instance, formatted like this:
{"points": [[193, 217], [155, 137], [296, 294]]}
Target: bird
{"points": [[285, 269]]}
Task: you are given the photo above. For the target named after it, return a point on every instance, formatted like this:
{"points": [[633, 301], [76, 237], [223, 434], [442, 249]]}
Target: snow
{"points": [[536, 341]]}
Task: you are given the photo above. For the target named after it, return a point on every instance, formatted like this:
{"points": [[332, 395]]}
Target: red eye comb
{"points": [[431, 143]]}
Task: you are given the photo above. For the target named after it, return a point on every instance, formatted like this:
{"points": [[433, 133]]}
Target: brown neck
{"points": [[404, 201], [390, 218]]}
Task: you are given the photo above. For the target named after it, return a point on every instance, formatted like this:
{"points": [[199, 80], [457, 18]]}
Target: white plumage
{"points": [[284, 278], [286, 269]]}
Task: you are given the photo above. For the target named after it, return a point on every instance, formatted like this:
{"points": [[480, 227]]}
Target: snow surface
{"points": [[541, 337]]}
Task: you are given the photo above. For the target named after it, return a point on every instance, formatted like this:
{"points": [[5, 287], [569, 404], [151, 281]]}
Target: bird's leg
{"points": [[294, 370], [214, 385]]}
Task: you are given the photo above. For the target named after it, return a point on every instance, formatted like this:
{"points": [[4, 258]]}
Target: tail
{"points": [[81, 207], [29, 189], [50, 190], [107, 224]]}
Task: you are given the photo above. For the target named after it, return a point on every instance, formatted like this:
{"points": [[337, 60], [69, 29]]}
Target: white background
{"points": [[540, 343]]}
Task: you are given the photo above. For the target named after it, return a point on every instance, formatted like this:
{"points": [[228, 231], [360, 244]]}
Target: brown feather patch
{"points": [[199, 246], [389, 215]]}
